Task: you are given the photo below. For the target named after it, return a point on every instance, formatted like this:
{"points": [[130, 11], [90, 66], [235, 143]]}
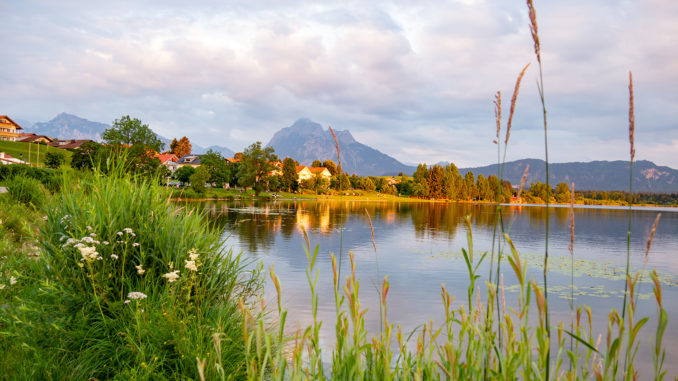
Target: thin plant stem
{"points": [[632, 126]]}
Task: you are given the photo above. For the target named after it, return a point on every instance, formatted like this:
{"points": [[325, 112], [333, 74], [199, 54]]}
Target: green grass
{"points": [[73, 314], [17, 148]]}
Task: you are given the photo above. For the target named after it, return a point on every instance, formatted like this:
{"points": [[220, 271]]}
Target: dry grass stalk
{"points": [[649, 240], [514, 98], [571, 245], [523, 180], [336, 143], [534, 30], [497, 114], [632, 117]]}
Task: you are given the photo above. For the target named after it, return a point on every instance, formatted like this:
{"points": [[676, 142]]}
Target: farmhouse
{"points": [[8, 129]]}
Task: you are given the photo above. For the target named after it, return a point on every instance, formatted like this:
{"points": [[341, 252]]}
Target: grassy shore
{"points": [[32, 153]]}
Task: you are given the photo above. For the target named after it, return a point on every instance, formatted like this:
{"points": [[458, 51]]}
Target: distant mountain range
{"points": [[306, 141], [67, 126], [594, 175]]}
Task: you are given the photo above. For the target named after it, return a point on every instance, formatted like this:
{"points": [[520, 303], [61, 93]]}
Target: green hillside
{"points": [[31, 152]]}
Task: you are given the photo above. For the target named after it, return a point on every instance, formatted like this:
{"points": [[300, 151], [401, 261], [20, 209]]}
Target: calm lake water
{"points": [[419, 248]]}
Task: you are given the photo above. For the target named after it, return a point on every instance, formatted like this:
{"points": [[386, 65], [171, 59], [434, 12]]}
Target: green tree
{"points": [[316, 183], [54, 159], [562, 193], [255, 165], [216, 167], [435, 182], [184, 173], [316, 164], [484, 191], [420, 186], [199, 178], [340, 182], [86, 156], [453, 182], [290, 178], [470, 184], [128, 131], [367, 184], [329, 164]]}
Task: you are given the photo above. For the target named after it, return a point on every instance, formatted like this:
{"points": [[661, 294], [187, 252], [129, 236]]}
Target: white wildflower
{"points": [[140, 269], [135, 295], [89, 228], [12, 281], [135, 244], [129, 231], [127, 301], [119, 233], [93, 235], [120, 241], [2, 286], [63, 238], [193, 254], [113, 256], [44, 218], [172, 276], [105, 242], [89, 253], [191, 265]]}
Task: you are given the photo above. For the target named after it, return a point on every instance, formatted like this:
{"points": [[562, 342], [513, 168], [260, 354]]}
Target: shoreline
{"points": [[670, 208]]}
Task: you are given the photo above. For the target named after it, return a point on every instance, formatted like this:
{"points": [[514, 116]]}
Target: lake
{"points": [[418, 245]]}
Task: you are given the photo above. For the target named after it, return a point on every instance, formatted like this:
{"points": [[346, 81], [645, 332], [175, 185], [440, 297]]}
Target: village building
{"points": [[69, 144], [305, 173], [9, 130], [169, 160], [34, 138], [189, 160], [6, 158]]}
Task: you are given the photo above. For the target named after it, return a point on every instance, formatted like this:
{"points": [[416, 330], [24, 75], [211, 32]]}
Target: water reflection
{"points": [[419, 246]]}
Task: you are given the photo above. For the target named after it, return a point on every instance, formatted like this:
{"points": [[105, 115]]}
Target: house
{"points": [[189, 160], [34, 138], [277, 168], [71, 143], [8, 159], [169, 160], [306, 173], [9, 129]]}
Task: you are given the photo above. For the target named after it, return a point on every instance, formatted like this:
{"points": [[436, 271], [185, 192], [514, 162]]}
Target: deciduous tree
{"points": [[255, 165]]}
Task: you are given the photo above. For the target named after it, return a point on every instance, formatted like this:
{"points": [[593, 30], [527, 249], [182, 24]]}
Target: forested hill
{"points": [[594, 175]]}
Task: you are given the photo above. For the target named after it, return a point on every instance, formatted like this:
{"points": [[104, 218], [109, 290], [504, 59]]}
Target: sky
{"points": [[413, 79]]}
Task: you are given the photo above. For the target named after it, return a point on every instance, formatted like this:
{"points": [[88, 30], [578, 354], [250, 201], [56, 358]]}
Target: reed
{"points": [[632, 155]]}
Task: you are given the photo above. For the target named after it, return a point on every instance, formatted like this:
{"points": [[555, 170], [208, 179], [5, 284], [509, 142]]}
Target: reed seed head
{"points": [[534, 30], [649, 240], [336, 143], [523, 180], [514, 98], [497, 113], [632, 118], [369, 219]]}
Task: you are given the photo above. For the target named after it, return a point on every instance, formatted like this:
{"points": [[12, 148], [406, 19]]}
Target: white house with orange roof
{"points": [[169, 160], [306, 173]]}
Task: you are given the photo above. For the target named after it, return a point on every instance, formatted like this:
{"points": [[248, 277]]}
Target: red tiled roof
{"points": [[317, 169], [300, 168], [164, 157]]}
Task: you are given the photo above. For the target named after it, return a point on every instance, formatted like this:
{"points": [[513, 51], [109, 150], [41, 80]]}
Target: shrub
{"points": [[55, 159], [27, 191]]}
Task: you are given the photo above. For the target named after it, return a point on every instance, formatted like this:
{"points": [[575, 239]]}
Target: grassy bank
{"points": [[115, 282], [32, 153]]}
